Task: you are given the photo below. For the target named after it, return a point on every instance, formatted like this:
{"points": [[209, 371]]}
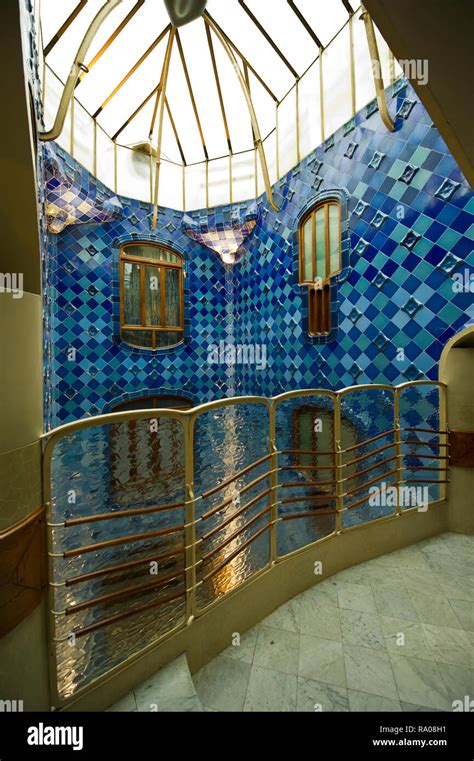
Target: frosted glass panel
{"points": [[243, 176], [320, 244], [171, 186], [172, 308], [308, 249], [53, 92], [133, 174], [271, 153], [219, 187], [365, 89], [152, 295], [105, 158], [287, 132], [83, 137], [131, 294], [195, 186], [337, 83], [334, 261], [310, 110]]}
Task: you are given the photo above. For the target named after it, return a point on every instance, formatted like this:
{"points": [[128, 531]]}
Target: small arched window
{"points": [[151, 296], [319, 259]]}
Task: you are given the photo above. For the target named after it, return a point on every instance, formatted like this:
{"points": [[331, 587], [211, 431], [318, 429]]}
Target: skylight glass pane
{"points": [[83, 137], [179, 99], [270, 146], [236, 109], [171, 187], [263, 104], [195, 186], [310, 110], [219, 182], [326, 17], [287, 132], [337, 83], [201, 74], [251, 43], [243, 176], [133, 174], [287, 31], [62, 55], [105, 159], [53, 15]]}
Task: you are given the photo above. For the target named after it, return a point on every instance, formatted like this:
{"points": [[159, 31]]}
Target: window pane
{"points": [[151, 252], [131, 293], [308, 250], [334, 238], [140, 338], [167, 338], [152, 296], [320, 244], [172, 307]]}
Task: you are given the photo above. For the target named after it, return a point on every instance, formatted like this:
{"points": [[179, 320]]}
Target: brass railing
{"points": [[198, 556]]}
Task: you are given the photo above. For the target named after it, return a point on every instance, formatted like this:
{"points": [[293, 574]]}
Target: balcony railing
{"points": [[155, 515]]}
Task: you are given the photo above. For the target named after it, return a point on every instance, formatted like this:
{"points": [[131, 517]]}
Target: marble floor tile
{"points": [[450, 564], [412, 707], [411, 558], [277, 649], [414, 641], [459, 541], [324, 592], [319, 697], [395, 603], [223, 684], [465, 612], [363, 702], [361, 629], [369, 671], [356, 597], [322, 660], [170, 689], [385, 578], [245, 650], [419, 681], [450, 645], [270, 691], [355, 575], [423, 581], [384, 561], [434, 609], [287, 616], [456, 587], [459, 681], [319, 620]]}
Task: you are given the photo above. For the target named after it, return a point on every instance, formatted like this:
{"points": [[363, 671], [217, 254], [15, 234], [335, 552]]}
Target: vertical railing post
{"points": [[190, 518], [398, 446], [338, 464], [273, 482], [444, 426]]}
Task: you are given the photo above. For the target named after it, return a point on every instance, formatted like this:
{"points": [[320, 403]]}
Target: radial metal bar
{"points": [[218, 85], [47, 50], [270, 41], [109, 41], [132, 70], [76, 68], [377, 71], [253, 116], [163, 83], [137, 110], [243, 58], [306, 25], [191, 93]]}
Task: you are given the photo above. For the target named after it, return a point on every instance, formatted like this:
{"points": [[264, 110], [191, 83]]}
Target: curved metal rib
{"points": [[377, 71], [258, 139], [76, 69]]}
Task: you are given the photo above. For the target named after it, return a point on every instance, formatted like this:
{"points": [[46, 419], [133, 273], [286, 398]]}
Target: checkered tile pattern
{"points": [[410, 228]]}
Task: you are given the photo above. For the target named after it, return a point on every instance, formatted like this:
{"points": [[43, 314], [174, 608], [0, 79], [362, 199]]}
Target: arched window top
{"points": [[151, 295], [320, 242]]}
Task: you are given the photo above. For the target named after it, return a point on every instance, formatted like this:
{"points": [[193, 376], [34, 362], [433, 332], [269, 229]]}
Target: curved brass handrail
{"points": [[377, 71]]}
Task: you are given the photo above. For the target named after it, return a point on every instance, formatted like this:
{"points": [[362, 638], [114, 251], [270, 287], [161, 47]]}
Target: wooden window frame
{"points": [[319, 299], [143, 262]]}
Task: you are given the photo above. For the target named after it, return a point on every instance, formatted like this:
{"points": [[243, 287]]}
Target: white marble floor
{"points": [[393, 634]]}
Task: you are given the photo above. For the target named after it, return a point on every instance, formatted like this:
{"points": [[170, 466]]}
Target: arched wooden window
{"points": [[151, 295], [319, 258]]}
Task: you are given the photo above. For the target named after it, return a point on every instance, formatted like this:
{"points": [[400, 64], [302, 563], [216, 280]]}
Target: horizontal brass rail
{"points": [[121, 514], [235, 514], [121, 540], [241, 473], [235, 534], [228, 501], [234, 554], [369, 441], [308, 498], [123, 567], [309, 514]]}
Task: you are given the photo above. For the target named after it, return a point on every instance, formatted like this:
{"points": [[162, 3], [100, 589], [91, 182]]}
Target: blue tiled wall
{"points": [[410, 227]]}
